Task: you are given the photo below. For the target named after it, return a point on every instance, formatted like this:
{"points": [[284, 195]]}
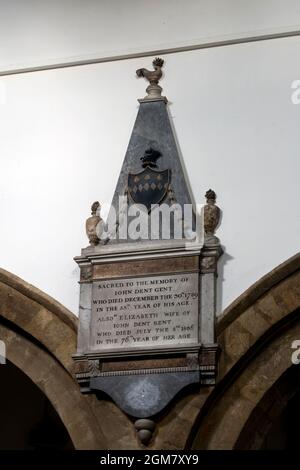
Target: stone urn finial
{"points": [[92, 223], [153, 76], [211, 215]]}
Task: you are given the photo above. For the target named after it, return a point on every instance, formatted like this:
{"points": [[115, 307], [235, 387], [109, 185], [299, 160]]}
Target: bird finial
{"points": [[153, 76]]}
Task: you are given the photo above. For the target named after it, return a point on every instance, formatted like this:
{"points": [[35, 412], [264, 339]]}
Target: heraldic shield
{"points": [[149, 186]]}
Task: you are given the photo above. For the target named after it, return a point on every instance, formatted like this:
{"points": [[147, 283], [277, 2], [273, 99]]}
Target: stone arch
{"points": [[40, 338], [246, 329], [255, 334]]}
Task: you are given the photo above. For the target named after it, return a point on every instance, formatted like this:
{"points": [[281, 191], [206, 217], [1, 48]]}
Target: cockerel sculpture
{"points": [[153, 76]]}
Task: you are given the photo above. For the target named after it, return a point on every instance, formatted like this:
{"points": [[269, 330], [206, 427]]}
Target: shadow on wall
{"points": [[274, 423], [225, 258], [28, 420]]}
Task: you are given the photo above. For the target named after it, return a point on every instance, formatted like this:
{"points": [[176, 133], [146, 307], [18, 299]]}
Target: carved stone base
{"points": [[142, 391], [142, 396]]}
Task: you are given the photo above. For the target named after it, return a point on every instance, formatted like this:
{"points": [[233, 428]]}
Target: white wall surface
{"points": [[41, 32], [64, 133]]}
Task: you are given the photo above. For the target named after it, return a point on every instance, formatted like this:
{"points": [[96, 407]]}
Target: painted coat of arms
{"points": [[150, 186]]}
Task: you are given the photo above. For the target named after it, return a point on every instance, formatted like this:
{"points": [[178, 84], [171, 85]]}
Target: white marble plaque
{"points": [[145, 312]]}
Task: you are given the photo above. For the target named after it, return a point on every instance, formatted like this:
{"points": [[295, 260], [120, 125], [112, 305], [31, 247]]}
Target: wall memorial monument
{"points": [[148, 277]]}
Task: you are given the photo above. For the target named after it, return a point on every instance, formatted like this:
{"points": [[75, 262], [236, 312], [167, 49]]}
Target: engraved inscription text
{"points": [[144, 312]]}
